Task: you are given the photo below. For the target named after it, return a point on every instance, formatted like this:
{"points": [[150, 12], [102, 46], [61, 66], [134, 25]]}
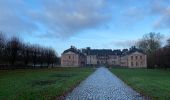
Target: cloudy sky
{"points": [[84, 23]]}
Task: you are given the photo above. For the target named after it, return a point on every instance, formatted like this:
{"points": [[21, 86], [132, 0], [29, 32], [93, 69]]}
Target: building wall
{"points": [[137, 60], [91, 60], [114, 60], [109, 60], [134, 60], [124, 61], [82, 60], [70, 59], [102, 60]]}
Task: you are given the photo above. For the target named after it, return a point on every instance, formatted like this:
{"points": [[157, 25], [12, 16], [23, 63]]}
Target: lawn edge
{"points": [[65, 94], [146, 96]]}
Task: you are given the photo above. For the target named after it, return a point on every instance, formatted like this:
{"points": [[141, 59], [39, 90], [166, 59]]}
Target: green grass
{"points": [[150, 82], [39, 84]]}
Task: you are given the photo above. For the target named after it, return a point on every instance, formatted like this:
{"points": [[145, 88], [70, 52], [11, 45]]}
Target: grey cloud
{"points": [[67, 18], [12, 19], [158, 9], [162, 10], [62, 18], [163, 22]]}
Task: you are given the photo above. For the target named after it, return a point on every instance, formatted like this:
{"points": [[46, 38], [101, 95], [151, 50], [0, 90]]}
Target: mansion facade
{"points": [[132, 58]]}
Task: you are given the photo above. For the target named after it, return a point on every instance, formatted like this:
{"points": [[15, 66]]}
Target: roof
{"points": [[73, 49], [102, 52], [132, 50]]}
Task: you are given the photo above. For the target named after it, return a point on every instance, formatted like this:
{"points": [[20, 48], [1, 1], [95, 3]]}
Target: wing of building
{"points": [[132, 58], [73, 57]]}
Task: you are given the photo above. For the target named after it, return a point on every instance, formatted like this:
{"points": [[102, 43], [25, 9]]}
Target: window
{"points": [[114, 57], [136, 63], [136, 57], [132, 57], [69, 57], [113, 62], [131, 63], [140, 57], [141, 63]]}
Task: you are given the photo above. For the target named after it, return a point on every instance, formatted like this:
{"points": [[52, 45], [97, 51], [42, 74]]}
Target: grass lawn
{"points": [[39, 84], [150, 82]]}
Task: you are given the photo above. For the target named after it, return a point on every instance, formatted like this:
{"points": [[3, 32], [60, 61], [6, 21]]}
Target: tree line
{"points": [[14, 53], [158, 55]]}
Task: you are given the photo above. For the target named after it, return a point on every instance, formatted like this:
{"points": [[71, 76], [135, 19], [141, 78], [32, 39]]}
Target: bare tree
{"points": [[161, 57], [2, 46], [42, 57], [26, 50], [150, 42], [53, 57], [2, 40], [14, 46], [168, 43], [14, 52], [34, 49], [48, 57]]}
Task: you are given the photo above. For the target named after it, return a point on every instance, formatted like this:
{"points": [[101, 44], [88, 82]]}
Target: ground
{"points": [[49, 83], [103, 85], [154, 83], [39, 84]]}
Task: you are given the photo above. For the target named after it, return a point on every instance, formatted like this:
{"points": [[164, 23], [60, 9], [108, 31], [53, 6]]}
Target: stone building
{"points": [[73, 57], [91, 60], [136, 59], [102, 56], [132, 58], [124, 61]]}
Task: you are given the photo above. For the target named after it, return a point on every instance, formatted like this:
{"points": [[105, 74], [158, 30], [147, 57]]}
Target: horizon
{"points": [[98, 24]]}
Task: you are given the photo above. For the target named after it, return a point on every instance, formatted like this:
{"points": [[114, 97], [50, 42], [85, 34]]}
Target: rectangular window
{"points": [[114, 57], [69, 57], [140, 57], [131, 63], [132, 57], [136, 63], [136, 57], [113, 62]]}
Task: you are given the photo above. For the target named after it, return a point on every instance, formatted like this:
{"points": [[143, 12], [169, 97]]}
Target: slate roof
{"points": [[135, 50], [72, 49], [132, 50], [102, 52]]}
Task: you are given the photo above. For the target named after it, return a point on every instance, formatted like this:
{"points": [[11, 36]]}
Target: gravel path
{"points": [[103, 85]]}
